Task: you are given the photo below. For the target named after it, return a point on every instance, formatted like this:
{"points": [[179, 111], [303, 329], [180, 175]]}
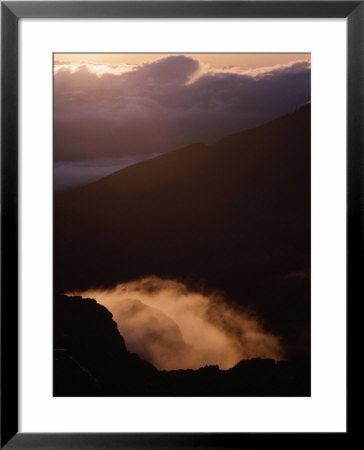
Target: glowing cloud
{"points": [[174, 327]]}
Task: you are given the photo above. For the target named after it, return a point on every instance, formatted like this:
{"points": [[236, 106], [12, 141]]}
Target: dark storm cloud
{"points": [[166, 104]]}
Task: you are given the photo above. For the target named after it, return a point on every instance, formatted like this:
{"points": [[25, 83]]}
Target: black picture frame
{"points": [[11, 12]]}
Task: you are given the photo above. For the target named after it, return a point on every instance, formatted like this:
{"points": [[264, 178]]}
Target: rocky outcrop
{"points": [[91, 359], [90, 354]]}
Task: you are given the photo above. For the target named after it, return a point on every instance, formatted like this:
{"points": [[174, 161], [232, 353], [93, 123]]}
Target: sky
{"points": [[114, 110]]}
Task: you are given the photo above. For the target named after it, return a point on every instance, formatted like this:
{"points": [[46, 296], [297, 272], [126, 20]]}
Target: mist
{"points": [[175, 327]]}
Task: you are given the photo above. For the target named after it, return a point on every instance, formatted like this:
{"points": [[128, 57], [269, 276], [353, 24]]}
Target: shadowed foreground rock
{"points": [[91, 359]]}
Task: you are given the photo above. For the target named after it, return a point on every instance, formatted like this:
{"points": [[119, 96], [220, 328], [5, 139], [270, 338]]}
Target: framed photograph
{"points": [[181, 221]]}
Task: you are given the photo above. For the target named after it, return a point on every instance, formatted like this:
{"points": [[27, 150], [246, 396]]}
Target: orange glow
{"points": [[176, 328], [215, 60]]}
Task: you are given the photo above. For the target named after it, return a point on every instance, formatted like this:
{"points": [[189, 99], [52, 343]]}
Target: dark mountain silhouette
{"points": [[233, 216], [90, 359]]}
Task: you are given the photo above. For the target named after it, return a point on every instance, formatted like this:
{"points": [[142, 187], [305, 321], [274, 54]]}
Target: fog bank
{"points": [[174, 327]]}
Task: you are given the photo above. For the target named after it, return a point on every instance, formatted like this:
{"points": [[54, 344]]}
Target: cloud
{"points": [[114, 111], [97, 69], [175, 327]]}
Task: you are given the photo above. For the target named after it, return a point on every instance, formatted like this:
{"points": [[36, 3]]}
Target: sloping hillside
{"points": [[233, 216]]}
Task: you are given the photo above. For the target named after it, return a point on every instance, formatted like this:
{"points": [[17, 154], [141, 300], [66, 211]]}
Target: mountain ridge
{"points": [[190, 147], [234, 216]]}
